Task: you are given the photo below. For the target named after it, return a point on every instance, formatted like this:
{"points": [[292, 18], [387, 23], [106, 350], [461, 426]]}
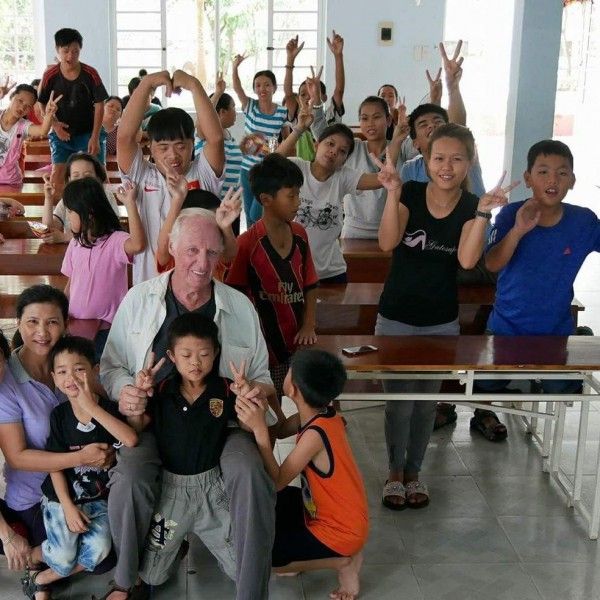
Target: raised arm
{"points": [[237, 84], [526, 219], [132, 118], [137, 237], [44, 128], [292, 50], [229, 210], [453, 73], [305, 119], [395, 214], [472, 239], [435, 87], [336, 45], [214, 148]]}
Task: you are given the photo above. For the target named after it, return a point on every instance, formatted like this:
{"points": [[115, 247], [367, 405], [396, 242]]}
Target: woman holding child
{"points": [[27, 397]]}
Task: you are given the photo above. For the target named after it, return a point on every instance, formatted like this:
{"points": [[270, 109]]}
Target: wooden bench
{"points": [[31, 257], [12, 285], [29, 194], [365, 261], [37, 176]]}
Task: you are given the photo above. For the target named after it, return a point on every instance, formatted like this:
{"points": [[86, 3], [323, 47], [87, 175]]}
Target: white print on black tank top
{"points": [[419, 238], [323, 218]]}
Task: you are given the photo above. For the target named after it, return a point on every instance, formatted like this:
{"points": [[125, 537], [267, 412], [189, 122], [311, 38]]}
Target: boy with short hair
{"points": [[274, 266], [538, 246], [78, 121], [74, 505], [171, 136], [323, 525], [189, 414]]}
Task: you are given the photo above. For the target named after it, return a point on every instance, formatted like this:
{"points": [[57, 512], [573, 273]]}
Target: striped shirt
{"points": [[258, 122], [233, 161]]}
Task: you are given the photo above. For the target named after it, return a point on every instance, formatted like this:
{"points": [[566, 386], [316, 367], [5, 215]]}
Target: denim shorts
{"points": [[61, 150]]}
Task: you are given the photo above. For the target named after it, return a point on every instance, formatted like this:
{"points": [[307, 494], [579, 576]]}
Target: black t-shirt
{"points": [[67, 434], [421, 289], [191, 437], [174, 309], [76, 108]]}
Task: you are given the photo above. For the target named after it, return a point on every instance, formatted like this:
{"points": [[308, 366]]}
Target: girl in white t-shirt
{"points": [[98, 255], [79, 165], [15, 129]]}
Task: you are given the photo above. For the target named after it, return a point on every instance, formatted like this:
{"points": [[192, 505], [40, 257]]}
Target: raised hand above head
{"points": [[159, 79], [230, 208], [313, 85], [144, 379], [238, 59], [452, 66], [305, 115], [336, 43], [220, 84], [292, 49], [435, 87], [496, 197]]}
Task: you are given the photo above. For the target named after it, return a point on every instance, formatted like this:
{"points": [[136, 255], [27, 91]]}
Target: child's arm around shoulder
{"points": [[310, 444]]}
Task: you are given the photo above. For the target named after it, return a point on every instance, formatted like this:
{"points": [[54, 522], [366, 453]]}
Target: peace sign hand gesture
{"points": [[240, 384], [496, 196], [313, 84], [144, 380], [452, 66], [435, 87], [388, 175], [305, 116], [51, 106]]}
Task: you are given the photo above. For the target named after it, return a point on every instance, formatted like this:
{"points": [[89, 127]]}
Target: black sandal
{"points": [[493, 432], [136, 592], [30, 587], [448, 412]]}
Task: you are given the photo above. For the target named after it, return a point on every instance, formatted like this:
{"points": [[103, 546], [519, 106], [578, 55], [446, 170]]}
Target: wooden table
{"points": [[11, 287], [365, 261], [28, 194], [469, 358], [31, 257]]}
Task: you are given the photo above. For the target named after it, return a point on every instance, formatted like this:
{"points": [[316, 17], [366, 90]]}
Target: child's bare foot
{"points": [[349, 579]]}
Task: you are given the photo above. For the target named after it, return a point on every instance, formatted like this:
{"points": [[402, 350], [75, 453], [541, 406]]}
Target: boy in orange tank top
{"points": [[324, 524]]}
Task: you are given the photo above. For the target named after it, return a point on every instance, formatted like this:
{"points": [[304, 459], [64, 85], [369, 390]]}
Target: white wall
{"points": [[369, 65], [92, 19]]}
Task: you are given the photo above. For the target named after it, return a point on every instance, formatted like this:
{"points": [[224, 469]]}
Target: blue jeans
{"points": [[64, 550], [252, 208], [409, 423]]}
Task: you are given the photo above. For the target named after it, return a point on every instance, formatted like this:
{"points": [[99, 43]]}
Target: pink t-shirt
{"points": [[98, 276], [10, 150]]}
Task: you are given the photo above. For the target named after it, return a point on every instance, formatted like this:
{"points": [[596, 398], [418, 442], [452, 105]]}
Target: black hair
{"points": [[43, 294], [338, 128], [98, 166], [320, 376], [224, 102], [4, 346], [194, 324], [548, 147], [322, 86], [265, 73], [117, 98], [424, 109], [142, 72], [201, 199], [73, 344], [388, 85], [25, 87], [86, 197], [36, 82], [133, 83], [375, 100], [274, 173], [170, 124], [66, 36]]}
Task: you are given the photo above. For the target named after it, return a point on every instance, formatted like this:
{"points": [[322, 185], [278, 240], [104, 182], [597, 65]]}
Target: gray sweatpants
{"points": [[188, 504], [409, 423], [134, 487]]}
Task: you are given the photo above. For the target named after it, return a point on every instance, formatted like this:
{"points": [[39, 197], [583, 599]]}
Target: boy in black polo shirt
{"points": [[79, 117], [189, 414]]}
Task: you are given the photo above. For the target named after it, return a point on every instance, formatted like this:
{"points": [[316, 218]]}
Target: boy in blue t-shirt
{"points": [[538, 246]]}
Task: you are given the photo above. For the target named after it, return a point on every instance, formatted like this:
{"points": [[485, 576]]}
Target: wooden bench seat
{"points": [[37, 176], [12, 285]]}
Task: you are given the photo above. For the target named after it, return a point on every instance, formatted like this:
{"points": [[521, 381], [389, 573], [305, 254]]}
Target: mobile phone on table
{"points": [[355, 350]]}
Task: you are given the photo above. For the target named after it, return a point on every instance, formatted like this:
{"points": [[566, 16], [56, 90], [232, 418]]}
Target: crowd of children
{"points": [[413, 182]]}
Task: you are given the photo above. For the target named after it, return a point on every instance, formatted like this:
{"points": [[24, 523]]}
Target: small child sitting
{"points": [[74, 505], [323, 525]]}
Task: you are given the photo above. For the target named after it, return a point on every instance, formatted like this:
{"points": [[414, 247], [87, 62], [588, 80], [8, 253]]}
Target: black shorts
{"points": [[293, 540]]}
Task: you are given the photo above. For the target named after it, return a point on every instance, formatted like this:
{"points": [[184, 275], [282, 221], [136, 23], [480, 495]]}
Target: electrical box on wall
{"points": [[386, 34]]}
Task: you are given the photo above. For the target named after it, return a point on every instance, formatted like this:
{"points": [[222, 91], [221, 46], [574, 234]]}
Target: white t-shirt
{"points": [[320, 213], [60, 210], [153, 201]]}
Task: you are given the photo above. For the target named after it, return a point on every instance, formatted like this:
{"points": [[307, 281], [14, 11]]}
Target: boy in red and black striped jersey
{"points": [[79, 117], [274, 266]]}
